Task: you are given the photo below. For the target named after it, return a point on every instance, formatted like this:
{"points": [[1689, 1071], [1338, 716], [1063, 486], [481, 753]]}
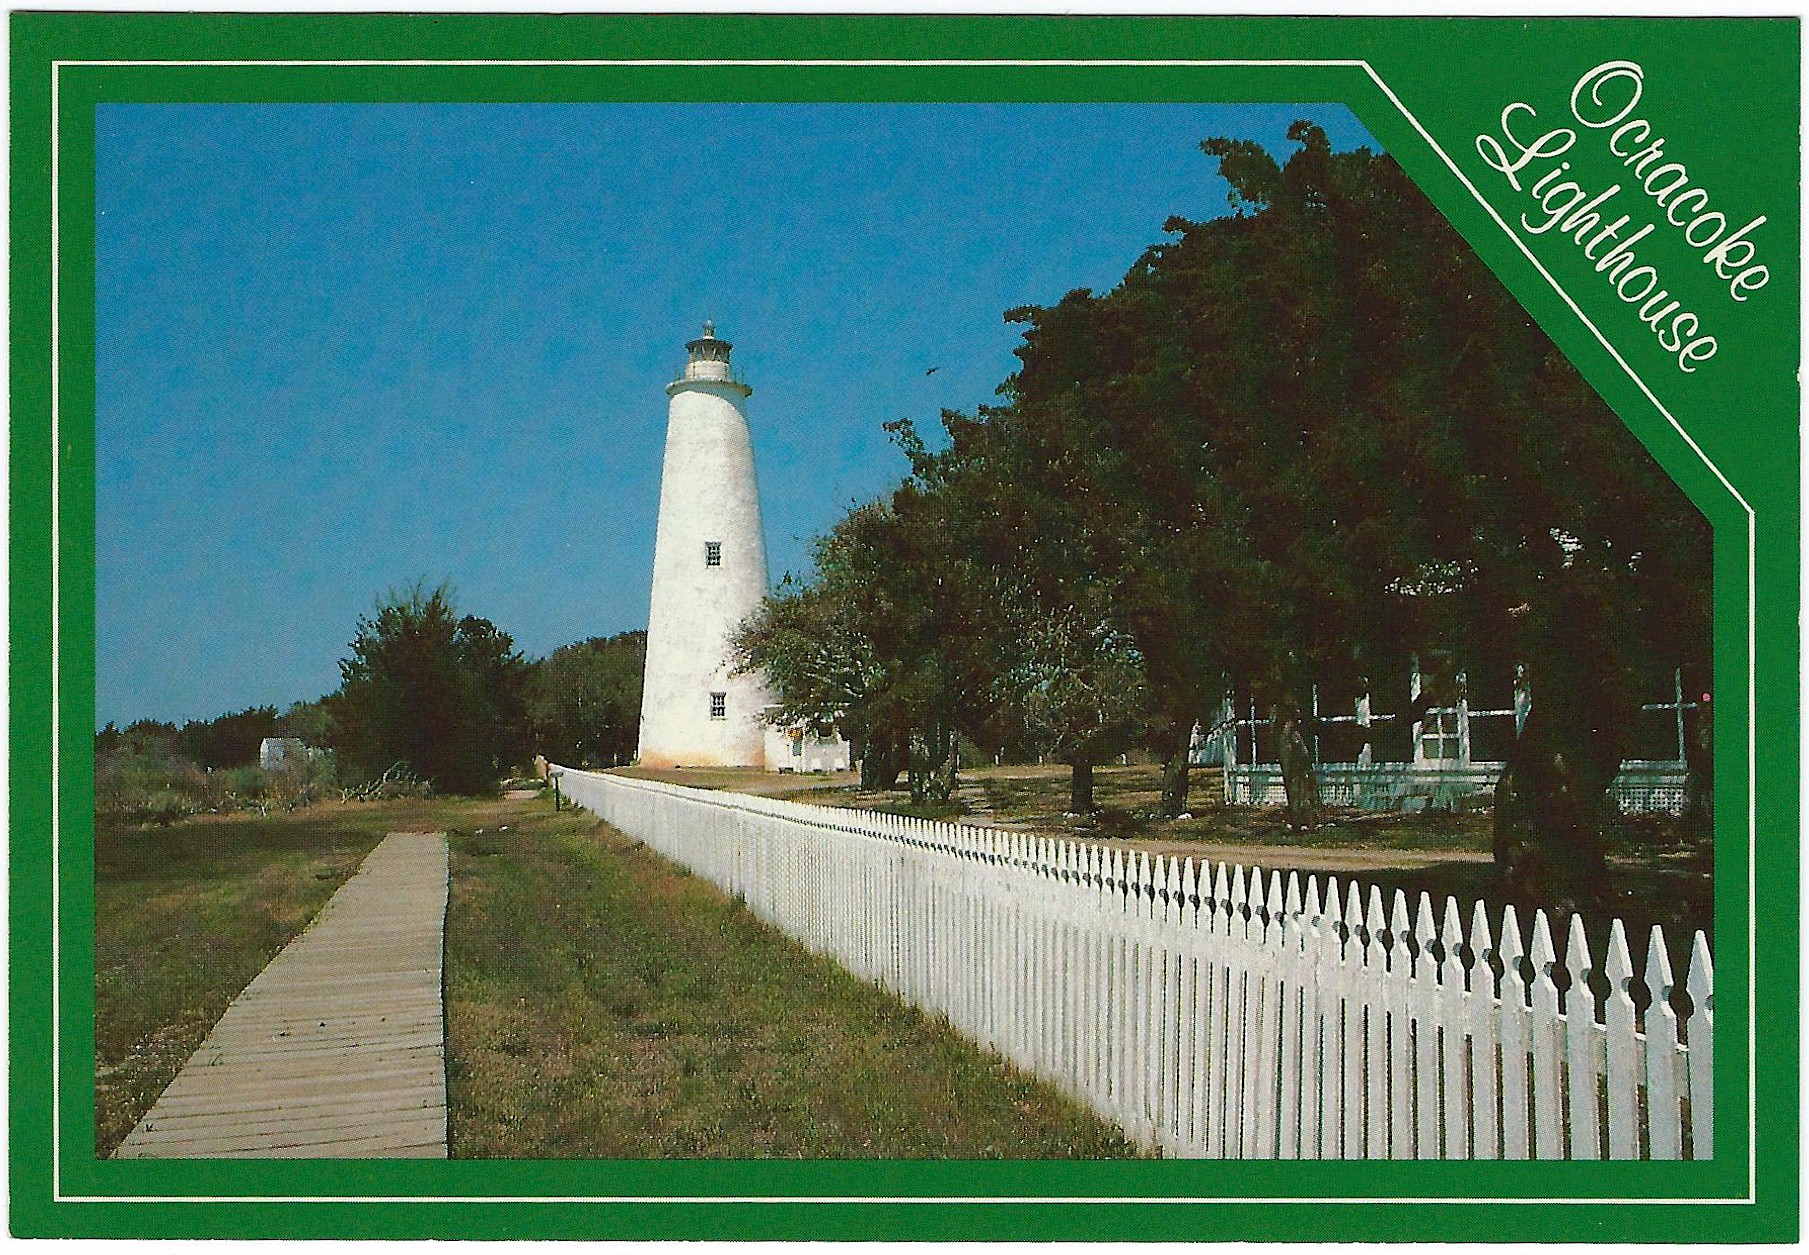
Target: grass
{"points": [[602, 1002], [186, 915], [1657, 878]]}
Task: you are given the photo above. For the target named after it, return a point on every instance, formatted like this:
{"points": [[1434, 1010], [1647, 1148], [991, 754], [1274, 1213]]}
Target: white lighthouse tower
{"points": [[709, 574]]}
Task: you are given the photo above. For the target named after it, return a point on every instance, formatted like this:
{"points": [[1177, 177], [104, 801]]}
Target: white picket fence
{"points": [[1213, 1013]]}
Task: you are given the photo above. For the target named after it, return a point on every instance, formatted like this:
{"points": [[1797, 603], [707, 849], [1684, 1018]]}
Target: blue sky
{"points": [[344, 347]]}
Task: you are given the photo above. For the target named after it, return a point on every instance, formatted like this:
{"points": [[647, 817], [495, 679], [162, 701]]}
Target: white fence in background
{"points": [[1213, 1013], [1442, 773]]}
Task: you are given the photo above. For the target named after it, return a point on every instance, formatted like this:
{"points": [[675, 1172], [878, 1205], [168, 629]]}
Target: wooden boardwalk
{"points": [[337, 1048]]}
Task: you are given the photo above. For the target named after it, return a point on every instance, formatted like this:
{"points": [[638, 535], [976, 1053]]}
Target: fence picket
{"points": [[1700, 985], [1366, 1093], [1483, 1023], [1287, 1144], [1516, 1044], [1663, 1116], [1214, 1010], [1548, 1115], [1237, 1050], [1312, 1026], [1623, 1049], [1400, 1047], [1265, 1105], [1453, 1029], [1582, 1043], [1422, 1004]]}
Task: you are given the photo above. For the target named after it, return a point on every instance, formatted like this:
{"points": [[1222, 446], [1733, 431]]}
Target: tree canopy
{"points": [[584, 700], [891, 640], [1298, 443], [439, 693]]}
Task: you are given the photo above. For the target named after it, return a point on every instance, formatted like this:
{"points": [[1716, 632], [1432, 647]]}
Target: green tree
{"points": [[499, 678], [1088, 486], [584, 700], [1079, 687], [308, 722], [425, 688], [817, 643], [893, 640], [1069, 679], [1329, 438], [230, 740]]}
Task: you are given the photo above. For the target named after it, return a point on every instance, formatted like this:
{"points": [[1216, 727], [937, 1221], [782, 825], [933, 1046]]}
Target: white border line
{"points": [[56, 645], [1307, 63]]}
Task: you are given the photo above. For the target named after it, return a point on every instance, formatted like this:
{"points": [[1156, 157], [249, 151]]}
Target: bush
{"points": [[147, 784], [301, 781], [138, 784]]}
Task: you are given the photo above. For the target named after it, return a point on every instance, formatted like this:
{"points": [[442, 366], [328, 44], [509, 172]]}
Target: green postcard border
{"points": [[1425, 88]]}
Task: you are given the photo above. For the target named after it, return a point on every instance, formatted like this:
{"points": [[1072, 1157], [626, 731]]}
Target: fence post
{"points": [[1463, 718]]}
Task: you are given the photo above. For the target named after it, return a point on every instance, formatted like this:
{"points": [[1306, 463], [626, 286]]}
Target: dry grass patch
{"points": [[603, 1002], [756, 781]]}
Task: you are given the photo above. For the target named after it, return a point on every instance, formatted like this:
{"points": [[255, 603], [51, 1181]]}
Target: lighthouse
{"points": [[709, 574]]}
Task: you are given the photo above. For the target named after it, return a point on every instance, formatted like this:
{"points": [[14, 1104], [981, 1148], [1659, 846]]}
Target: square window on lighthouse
{"points": [[712, 553], [719, 705]]}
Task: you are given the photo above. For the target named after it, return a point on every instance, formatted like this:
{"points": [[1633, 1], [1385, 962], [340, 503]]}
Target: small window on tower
{"points": [[712, 553], [719, 705]]}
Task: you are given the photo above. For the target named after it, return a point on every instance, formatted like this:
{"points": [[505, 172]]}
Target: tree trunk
{"points": [[932, 765], [1080, 788], [1552, 806], [1175, 783], [880, 764], [1297, 775]]}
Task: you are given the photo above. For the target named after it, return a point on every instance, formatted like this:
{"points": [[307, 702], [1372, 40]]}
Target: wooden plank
{"points": [[337, 1048], [324, 1124], [299, 1108]]}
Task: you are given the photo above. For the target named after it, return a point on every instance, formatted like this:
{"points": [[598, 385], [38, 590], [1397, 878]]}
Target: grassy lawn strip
{"points": [[185, 916], [1658, 875], [602, 1002]]}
